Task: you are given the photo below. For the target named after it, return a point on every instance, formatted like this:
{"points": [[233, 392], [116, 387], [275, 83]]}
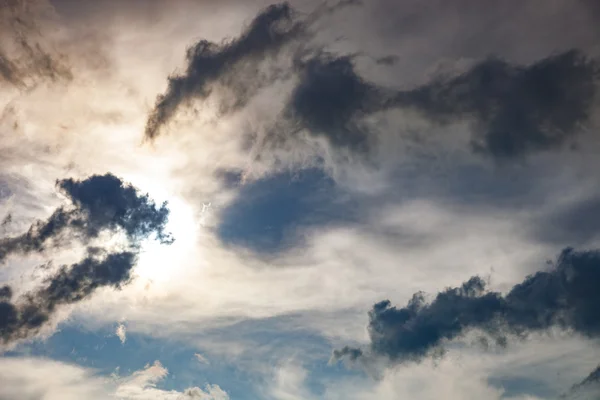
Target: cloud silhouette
{"points": [[331, 98], [517, 109], [564, 296], [232, 63], [98, 203], [69, 285]]}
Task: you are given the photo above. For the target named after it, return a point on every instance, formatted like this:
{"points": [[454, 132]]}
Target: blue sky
{"points": [[302, 200]]}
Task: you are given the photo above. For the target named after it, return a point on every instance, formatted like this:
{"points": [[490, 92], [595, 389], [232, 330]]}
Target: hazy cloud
{"points": [[26, 54], [590, 386]]}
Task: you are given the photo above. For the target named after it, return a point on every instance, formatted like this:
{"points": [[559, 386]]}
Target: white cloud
{"points": [[141, 385], [201, 359], [43, 379], [289, 382], [121, 333]]}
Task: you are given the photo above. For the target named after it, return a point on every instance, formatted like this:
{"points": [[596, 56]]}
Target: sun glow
{"points": [[159, 262]]}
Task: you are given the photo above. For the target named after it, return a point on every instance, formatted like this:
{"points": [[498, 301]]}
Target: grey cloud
{"points": [[5, 292], [209, 62], [350, 353], [9, 71], [593, 377], [331, 98], [588, 387], [98, 203], [564, 296], [24, 318], [514, 109], [575, 224], [517, 109], [25, 56]]}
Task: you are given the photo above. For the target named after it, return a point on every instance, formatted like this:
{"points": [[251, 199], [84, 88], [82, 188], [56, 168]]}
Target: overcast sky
{"points": [[341, 199]]}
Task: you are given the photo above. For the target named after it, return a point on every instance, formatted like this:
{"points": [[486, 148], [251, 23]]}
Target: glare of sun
{"points": [[159, 262]]}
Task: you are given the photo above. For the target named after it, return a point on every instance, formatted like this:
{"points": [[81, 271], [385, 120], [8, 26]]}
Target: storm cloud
{"points": [[69, 285], [564, 296], [97, 204], [228, 63]]}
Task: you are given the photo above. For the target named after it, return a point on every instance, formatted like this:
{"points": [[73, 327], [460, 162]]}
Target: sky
{"points": [[342, 199]]}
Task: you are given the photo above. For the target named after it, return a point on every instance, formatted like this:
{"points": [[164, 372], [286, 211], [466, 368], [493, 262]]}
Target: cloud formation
{"points": [[563, 297], [24, 318], [142, 385], [517, 109], [98, 203], [229, 63], [40, 378], [331, 98], [26, 54]]}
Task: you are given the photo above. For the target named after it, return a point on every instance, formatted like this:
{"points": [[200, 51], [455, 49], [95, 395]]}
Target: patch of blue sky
{"points": [[274, 342], [268, 213]]}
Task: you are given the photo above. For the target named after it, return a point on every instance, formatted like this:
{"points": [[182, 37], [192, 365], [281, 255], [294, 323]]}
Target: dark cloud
{"points": [[9, 71], [110, 203], [575, 224], [24, 318], [331, 98], [387, 60], [98, 203], [5, 292], [517, 109], [565, 296], [267, 212], [226, 63]]}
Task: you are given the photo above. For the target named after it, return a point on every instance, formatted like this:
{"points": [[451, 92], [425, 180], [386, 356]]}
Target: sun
{"points": [[159, 262]]}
